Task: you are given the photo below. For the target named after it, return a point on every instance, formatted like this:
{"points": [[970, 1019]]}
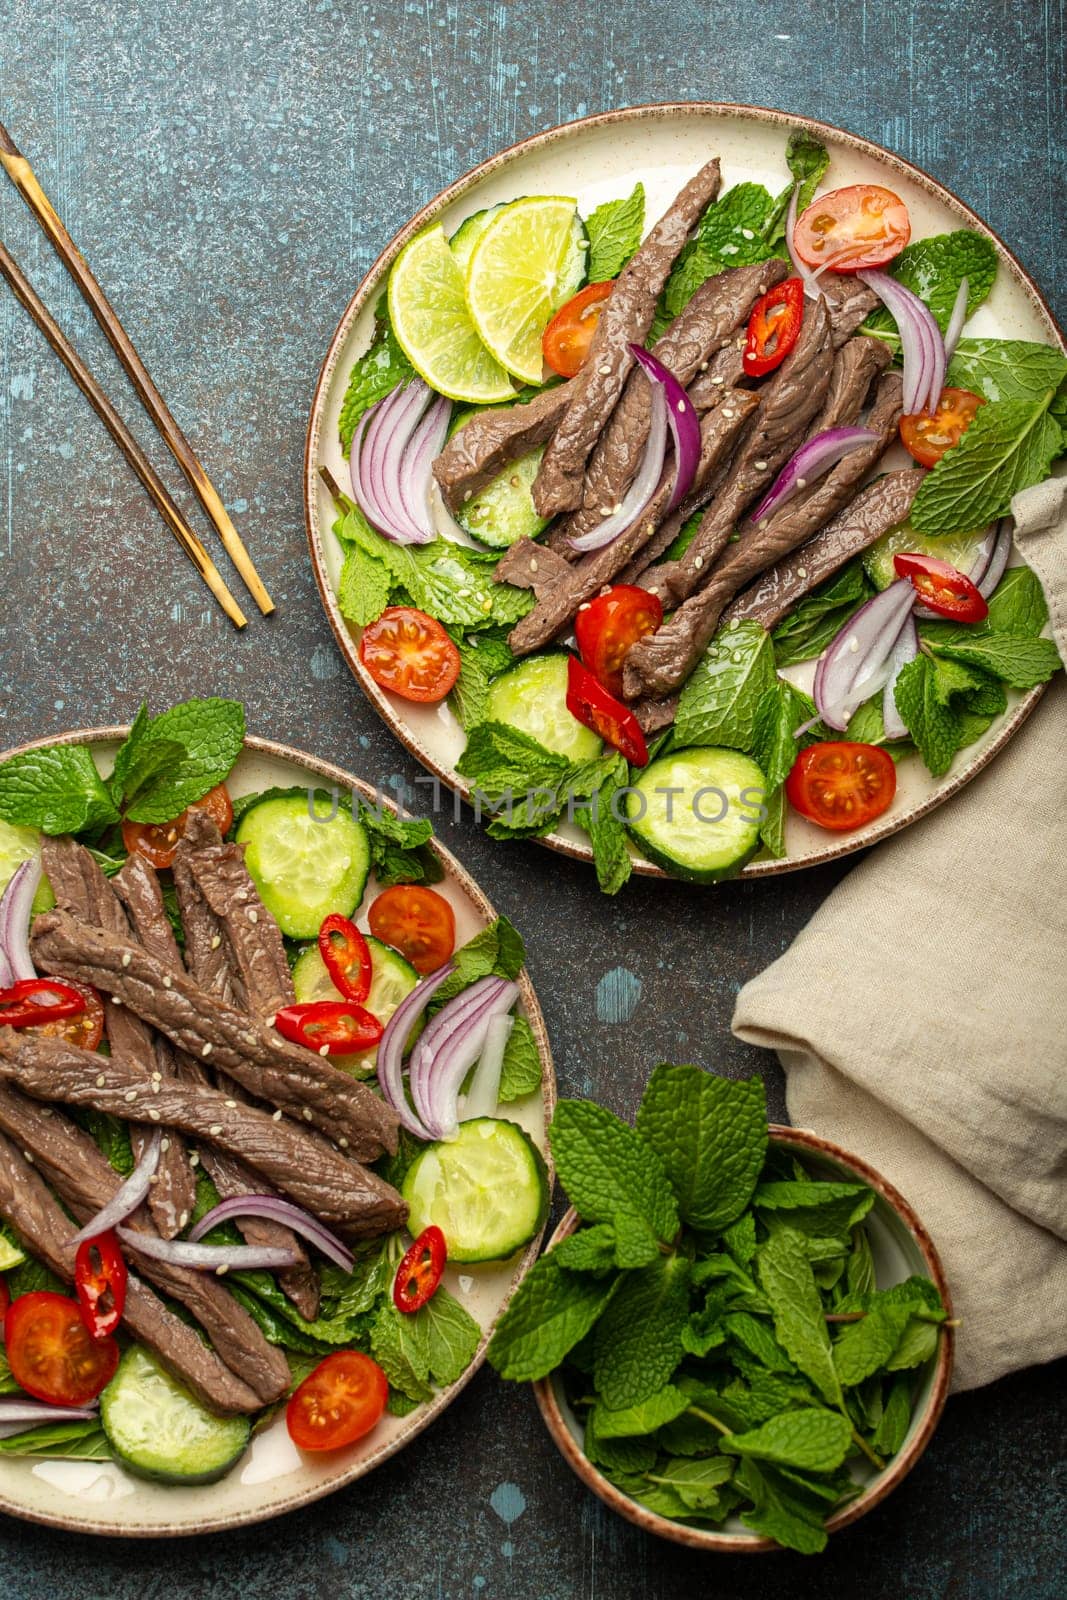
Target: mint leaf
{"points": [[754, 1334], [789, 1285], [57, 789], [1010, 445], [448, 1336], [482, 657], [364, 586], [730, 234], [807, 159], [867, 726], [1006, 369], [608, 1170], [210, 735], [779, 1512], [1018, 603], [521, 1071], [376, 373], [740, 1238], [615, 230], [1016, 658], [639, 1337], [811, 1439], [863, 1348], [932, 724], [809, 628], [719, 701], [781, 711], [934, 269], [696, 1483], [646, 1416], [398, 846], [497, 950], [711, 1134], [552, 1310], [892, 1429], [400, 1353], [772, 828], [588, 1250], [611, 853]]}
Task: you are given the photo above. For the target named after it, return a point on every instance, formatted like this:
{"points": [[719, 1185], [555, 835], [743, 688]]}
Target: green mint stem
{"points": [[706, 1416], [865, 1447]]}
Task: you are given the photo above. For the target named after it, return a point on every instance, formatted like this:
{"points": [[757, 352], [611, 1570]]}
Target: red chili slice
{"points": [[330, 1027], [22, 1005], [616, 724], [773, 327], [941, 587], [347, 956], [420, 1272], [100, 1283]]}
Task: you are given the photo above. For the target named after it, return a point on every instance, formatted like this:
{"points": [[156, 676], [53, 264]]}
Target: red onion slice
{"points": [[682, 420], [920, 340], [18, 1413], [957, 319], [209, 1257], [391, 495], [129, 1197], [855, 664], [905, 650], [812, 288], [643, 487], [391, 1048], [275, 1209], [15, 910], [483, 1097], [385, 444], [998, 560], [450, 1046], [437, 1035], [814, 458], [416, 475]]}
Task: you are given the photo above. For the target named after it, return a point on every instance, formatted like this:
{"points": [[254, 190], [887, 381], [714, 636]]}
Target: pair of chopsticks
{"points": [[22, 176]]}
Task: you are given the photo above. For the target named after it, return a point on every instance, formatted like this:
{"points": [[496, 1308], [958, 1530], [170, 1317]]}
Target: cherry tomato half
{"points": [[51, 1353], [607, 627], [565, 342], [418, 922], [158, 841], [27, 1003], [86, 1028], [927, 435], [941, 587], [337, 1403], [773, 327], [841, 785], [346, 955], [100, 1284], [329, 1027], [616, 724], [851, 229], [420, 1271], [410, 654]]}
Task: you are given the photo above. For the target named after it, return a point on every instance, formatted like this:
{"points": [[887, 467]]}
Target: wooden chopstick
{"points": [[122, 436], [23, 177]]}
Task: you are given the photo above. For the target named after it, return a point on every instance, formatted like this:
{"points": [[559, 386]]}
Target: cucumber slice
{"points": [[391, 979], [960, 550], [487, 1190], [305, 866], [468, 233], [503, 511], [533, 698], [16, 846], [159, 1431], [673, 812]]}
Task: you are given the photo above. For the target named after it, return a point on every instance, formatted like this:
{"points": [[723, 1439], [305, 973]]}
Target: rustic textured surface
{"points": [[230, 169]]}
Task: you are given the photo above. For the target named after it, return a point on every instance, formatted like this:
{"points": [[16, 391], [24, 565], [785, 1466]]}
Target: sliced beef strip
{"points": [[718, 308], [482, 448], [625, 320], [29, 1206], [143, 898], [658, 664], [849, 302], [321, 1180], [726, 371], [558, 603], [81, 889], [876, 509], [82, 1177], [242, 1046], [789, 401]]}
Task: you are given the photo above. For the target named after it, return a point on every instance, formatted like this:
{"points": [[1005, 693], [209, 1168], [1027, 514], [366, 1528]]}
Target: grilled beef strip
{"points": [[84, 1180], [789, 401], [482, 448], [558, 601], [876, 509], [82, 890], [849, 303], [139, 887], [321, 1180], [660, 663], [242, 1046], [718, 308], [29, 1206], [625, 320], [726, 371]]}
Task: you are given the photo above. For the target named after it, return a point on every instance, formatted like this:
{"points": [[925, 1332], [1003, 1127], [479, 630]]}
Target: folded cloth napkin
{"points": [[921, 1017]]}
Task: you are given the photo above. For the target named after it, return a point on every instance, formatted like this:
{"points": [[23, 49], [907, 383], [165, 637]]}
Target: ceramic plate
{"points": [[598, 159], [99, 1497]]}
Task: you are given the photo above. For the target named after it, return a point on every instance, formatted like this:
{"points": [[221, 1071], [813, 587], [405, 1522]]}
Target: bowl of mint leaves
{"points": [[741, 1336]]}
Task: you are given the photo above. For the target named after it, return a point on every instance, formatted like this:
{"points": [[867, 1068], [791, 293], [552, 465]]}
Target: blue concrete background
{"points": [[230, 168]]}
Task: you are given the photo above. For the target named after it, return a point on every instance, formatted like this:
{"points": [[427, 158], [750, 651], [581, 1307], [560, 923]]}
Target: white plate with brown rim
{"points": [[600, 158], [273, 1476]]}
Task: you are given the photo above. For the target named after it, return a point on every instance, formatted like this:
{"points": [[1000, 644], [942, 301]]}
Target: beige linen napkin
{"points": [[921, 1017]]}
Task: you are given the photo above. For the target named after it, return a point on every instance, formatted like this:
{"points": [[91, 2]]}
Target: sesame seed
{"points": [[276, 1116], [735, 622], [680, 408], [164, 1146], [746, 233], [46, 1111], [220, 1272], [153, 1116], [324, 1049], [248, 1038], [206, 1051], [760, 466], [704, 368], [194, 1159], [584, 605], [762, 523], [156, 1086], [802, 483], [853, 645], [167, 980], [126, 958], [717, 379], [215, 1129], [467, 495], [605, 511], [130, 1096], [101, 1080], [216, 941], [28, 1157], [605, 370], [253, 914], [156, 1076], [763, 286], [802, 572], [698, 562], [343, 1142], [184, 1218], [728, 413], [616, 508], [153, 1180], [116, 1000], [232, 1104], [533, 563], [307, 1113]]}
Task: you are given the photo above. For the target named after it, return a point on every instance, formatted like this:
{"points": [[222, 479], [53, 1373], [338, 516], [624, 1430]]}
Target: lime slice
{"points": [[520, 272], [11, 1253], [960, 550], [16, 846], [428, 311], [468, 233]]}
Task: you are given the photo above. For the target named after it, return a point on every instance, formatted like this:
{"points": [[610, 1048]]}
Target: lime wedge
{"points": [[522, 268], [11, 1254], [428, 311]]}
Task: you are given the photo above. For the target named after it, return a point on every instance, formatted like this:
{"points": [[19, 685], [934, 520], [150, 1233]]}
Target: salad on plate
{"points": [[693, 524], [253, 1101]]}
